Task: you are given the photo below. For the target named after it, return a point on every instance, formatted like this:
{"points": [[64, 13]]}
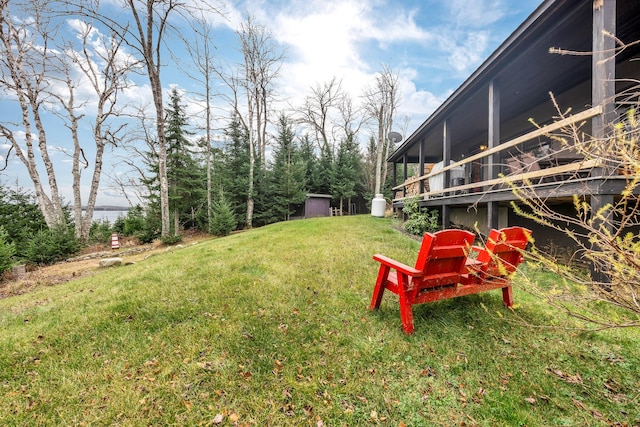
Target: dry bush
{"points": [[608, 239]]}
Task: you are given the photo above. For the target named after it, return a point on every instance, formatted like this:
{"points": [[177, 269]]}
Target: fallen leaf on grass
{"points": [[579, 404], [428, 372], [571, 379], [207, 366], [218, 419], [532, 400]]}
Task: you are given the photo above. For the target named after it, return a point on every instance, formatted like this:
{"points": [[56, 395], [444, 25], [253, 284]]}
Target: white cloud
{"points": [[418, 104], [477, 13], [326, 37], [468, 53]]}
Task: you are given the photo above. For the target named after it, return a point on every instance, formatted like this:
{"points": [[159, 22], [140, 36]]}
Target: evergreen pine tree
{"points": [[346, 170], [309, 163], [264, 197], [223, 220], [187, 182], [235, 169], [288, 172], [322, 172], [21, 218], [7, 250]]}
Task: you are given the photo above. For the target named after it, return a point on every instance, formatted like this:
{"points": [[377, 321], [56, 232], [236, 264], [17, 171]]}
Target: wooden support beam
{"points": [[446, 159], [603, 94], [493, 142]]}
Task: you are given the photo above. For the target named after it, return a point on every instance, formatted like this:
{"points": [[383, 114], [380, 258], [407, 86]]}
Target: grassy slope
{"points": [[271, 327]]}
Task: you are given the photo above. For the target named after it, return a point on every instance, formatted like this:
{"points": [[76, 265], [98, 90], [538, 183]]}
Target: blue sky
{"points": [[433, 46]]}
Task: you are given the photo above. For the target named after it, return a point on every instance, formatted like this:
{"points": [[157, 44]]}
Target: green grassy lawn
{"points": [[271, 327]]}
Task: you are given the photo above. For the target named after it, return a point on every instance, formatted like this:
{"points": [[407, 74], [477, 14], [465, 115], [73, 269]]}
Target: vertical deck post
{"points": [[405, 171], [421, 163], [603, 93], [446, 158], [493, 140]]}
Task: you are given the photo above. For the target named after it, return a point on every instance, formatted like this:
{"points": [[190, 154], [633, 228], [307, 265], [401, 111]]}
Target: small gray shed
{"points": [[316, 205]]}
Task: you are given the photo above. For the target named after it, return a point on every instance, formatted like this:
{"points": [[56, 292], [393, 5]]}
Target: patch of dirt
{"points": [[86, 263]]}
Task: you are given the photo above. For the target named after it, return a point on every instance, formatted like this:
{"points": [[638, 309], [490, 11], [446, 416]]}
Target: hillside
{"points": [[271, 327]]}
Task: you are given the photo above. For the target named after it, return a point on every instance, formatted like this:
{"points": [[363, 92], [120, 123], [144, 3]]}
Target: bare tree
{"points": [[46, 72], [351, 117], [254, 82], [106, 68], [317, 109], [201, 49], [25, 54], [151, 19], [132, 179], [381, 102], [146, 34]]}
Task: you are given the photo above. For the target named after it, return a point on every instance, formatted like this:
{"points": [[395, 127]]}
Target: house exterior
{"points": [[457, 157]]}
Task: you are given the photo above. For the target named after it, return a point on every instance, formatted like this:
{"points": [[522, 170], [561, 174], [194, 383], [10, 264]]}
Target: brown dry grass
{"points": [[51, 275]]}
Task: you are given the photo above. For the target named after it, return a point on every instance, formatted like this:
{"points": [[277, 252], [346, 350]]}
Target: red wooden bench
{"points": [[443, 270], [497, 261]]}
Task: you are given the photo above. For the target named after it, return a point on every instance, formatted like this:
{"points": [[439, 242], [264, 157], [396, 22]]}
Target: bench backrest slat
{"points": [[443, 254]]}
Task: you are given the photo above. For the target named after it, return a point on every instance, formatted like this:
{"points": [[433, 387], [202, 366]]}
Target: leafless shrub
{"points": [[607, 238]]}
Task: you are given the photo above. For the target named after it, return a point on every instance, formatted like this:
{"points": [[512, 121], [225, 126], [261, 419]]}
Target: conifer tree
{"points": [[234, 172], [185, 176], [309, 162], [223, 220], [7, 250], [347, 169], [20, 216], [322, 172], [288, 172]]}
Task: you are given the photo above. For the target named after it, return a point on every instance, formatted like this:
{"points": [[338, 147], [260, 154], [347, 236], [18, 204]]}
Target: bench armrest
{"points": [[398, 266]]}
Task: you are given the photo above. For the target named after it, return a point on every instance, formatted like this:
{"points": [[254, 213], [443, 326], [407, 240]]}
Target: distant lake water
{"points": [[111, 216]]}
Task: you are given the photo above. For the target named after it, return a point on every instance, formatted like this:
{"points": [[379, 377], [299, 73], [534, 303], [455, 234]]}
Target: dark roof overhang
{"points": [[525, 72]]}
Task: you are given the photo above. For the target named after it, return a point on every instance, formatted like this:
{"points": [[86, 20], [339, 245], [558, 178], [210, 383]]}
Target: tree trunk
{"points": [[151, 55], [379, 151], [252, 162], [208, 142]]}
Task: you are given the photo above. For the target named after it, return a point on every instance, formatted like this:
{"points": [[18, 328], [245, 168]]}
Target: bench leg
{"points": [[507, 296], [406, 315], [378, 290], [406, 309]]}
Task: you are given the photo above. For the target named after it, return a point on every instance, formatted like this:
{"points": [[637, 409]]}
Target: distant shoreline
{"points": [[108, 208]]}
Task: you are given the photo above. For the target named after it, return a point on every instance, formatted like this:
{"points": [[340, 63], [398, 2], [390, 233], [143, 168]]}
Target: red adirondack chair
{"points": [[498, 260], [439, 268]]}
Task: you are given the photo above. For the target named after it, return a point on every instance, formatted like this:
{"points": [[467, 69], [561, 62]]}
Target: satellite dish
{"points": [[394, 137]]}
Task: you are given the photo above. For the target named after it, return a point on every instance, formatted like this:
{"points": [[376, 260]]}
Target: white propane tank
{"points": [[378, 206]]}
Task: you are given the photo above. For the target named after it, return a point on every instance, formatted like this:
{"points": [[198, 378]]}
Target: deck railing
{"points": [[562, 170]]}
